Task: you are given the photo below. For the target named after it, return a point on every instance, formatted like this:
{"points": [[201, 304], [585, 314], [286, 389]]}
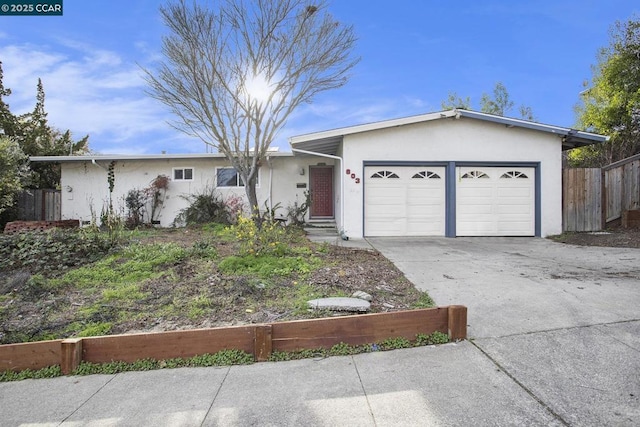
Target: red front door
{"points": [[321, 183]]}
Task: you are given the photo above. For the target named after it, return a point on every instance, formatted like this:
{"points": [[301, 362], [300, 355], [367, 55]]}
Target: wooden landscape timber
{"points": [[260, 339]]}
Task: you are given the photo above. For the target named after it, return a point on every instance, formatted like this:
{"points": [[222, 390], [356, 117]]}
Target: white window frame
{"points": [[239, 183], [173, 174]]}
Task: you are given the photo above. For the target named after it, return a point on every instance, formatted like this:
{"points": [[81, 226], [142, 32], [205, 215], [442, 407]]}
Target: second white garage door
{"points": [[404, 201], [495, 201]]}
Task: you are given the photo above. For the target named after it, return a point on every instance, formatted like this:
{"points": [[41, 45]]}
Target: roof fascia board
{"points": [[142, 157], [507, 121], [340, 132], [533, 125]]}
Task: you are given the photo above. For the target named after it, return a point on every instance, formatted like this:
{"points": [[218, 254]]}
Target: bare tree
{"points": [[233, 75]]}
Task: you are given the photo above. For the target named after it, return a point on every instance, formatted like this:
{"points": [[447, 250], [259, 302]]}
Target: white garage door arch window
{"points": [[404, 200], [495, 201]]}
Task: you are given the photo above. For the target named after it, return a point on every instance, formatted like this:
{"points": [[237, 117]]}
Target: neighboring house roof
{"points": [[327, 142], [120, 157]]}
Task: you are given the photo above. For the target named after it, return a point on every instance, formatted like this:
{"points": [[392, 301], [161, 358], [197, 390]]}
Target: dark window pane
{"points": [[227, 177], [178, 174], [188, 173]]}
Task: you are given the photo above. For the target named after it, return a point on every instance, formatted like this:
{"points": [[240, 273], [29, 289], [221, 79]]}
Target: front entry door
{"points": [[321, 183]]}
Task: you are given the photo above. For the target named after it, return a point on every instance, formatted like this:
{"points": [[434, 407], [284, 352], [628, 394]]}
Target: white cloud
{"points": [[91, 91]]}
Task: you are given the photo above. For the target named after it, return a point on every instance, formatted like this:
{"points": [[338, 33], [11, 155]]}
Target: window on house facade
{"points": [[228, 177], [183, 174]]}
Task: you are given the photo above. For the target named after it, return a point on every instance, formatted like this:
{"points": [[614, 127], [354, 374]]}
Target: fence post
{"points": [[70, 354], [457, 322], [262, 343]]}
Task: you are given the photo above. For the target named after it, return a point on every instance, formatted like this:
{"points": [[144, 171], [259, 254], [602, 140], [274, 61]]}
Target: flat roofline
{"points": [[119, 157]]}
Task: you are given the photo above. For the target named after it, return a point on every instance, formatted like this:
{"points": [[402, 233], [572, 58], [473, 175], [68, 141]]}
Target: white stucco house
{"points": [[451, 173]]}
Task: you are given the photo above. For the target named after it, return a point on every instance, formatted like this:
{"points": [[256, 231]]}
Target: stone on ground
{"points": [[340, 304]]}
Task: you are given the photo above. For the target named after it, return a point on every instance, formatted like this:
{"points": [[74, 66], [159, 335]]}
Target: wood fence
{"points": [[622, 181], [593, 197], [260, 340], [39, 205], [582, 199]]}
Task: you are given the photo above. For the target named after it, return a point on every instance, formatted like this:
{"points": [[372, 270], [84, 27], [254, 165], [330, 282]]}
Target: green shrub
{"points": [[269, 238], [207, 206], [53, 251]]}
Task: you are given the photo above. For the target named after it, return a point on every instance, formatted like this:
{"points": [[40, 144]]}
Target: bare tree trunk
{"points": [[250, 190]]}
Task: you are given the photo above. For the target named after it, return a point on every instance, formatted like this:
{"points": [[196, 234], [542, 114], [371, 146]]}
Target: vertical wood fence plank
{"points": [[582, 199], [40, 205]]}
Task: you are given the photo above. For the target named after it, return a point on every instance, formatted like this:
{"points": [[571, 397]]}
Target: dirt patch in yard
{"points": [[617, 237], [194, 291]]}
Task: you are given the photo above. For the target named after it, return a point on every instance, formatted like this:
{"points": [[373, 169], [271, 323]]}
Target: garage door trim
{"points": [[537, 188]]}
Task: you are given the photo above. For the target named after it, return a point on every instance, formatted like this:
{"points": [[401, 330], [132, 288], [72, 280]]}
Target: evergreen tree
{"points": [[36, 137], [40, 139], [8, 122]]}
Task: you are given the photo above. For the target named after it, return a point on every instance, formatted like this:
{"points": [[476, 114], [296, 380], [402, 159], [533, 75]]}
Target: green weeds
{"points": [[343, 349]]}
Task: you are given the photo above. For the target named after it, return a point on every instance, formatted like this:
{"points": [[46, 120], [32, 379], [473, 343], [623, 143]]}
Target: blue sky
{"points": [[413, 53]]}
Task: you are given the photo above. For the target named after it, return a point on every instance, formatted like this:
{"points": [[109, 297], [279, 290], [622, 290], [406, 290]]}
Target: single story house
{"points": [[450, 173]]}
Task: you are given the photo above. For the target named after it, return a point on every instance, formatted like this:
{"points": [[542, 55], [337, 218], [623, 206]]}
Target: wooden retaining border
{"points": [[260, 339]]}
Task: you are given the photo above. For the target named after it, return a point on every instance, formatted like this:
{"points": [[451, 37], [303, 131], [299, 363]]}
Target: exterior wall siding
{"points": [[89, 195]]}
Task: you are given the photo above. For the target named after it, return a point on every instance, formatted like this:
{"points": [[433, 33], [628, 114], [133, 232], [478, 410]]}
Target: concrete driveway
{"points": [[562, 321]]}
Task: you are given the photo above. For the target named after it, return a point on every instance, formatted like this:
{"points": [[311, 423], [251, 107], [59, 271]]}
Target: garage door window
{"points": [[426, 175], [514, 174], [385, 174], [474, 175]]}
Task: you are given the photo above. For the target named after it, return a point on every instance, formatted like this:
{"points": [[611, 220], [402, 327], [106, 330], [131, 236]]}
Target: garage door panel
{"points": [[495, 201], [471, 195], [432, 212], [514, 192], [424, 228], [507, 210], [512, 228], [411, 204], [387, 227]]}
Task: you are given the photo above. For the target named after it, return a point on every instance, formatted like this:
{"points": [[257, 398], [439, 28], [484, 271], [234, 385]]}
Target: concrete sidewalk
{"points": [[555, 341], [453, 384]]}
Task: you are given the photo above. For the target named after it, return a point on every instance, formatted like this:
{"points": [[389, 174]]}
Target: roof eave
{"points": [[571, 138], [143, 157]]}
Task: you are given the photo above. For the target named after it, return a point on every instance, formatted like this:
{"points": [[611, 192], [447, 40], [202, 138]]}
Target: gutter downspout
{"points": [[330, 156], [270, 183]]}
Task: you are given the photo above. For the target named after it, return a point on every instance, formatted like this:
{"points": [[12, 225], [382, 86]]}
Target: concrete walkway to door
{"points": [[563, 322]]}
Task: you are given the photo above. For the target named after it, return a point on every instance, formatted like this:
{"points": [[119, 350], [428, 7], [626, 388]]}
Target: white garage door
{"points": [[495, 201], [404, 201]]}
